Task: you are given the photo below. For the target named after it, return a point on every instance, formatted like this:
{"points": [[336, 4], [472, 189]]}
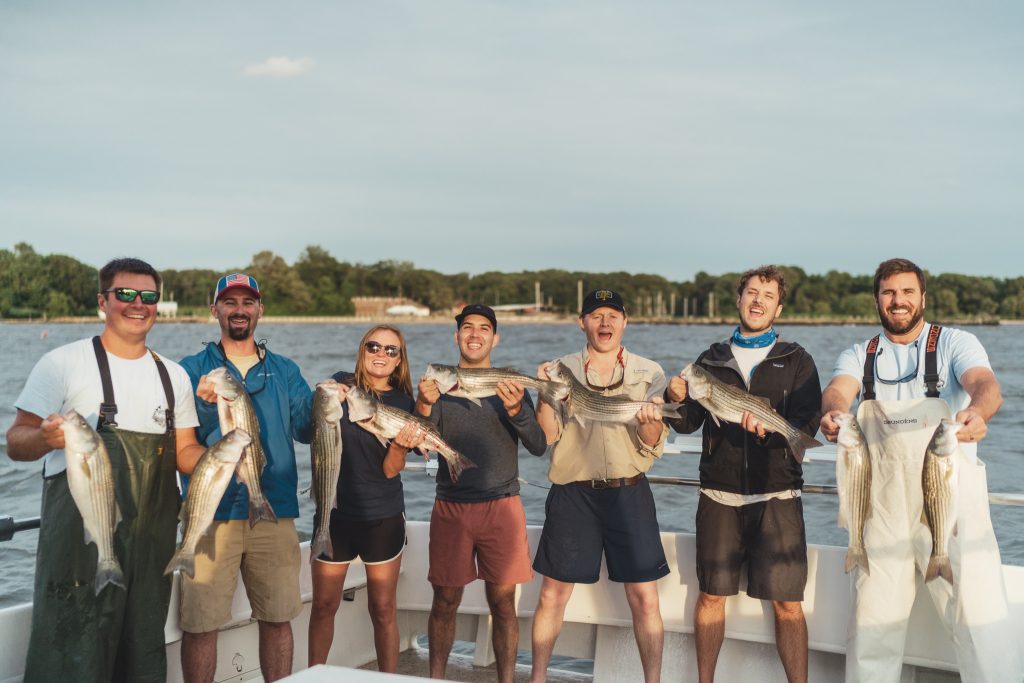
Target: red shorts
{"points": [[485, 540]]}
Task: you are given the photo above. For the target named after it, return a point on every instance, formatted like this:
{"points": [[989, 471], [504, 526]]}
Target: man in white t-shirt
{"points": [[142, 406], [898, 413]]}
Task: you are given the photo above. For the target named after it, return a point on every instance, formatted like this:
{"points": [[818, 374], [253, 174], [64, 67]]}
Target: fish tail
{"points": [[317, 548], [260, 512], [457, 462], [939, 566], [109, 572], [183, 561], [857, 558], [671, 410], [799, 442]]}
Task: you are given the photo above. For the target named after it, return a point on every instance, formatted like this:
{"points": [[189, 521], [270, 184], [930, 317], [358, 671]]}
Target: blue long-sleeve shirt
{"points": [[283, 403]]}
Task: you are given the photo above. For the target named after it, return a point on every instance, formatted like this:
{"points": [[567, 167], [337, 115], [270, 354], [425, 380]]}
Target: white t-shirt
{"points": [[748, 359], [69, 378], [957, 352]]}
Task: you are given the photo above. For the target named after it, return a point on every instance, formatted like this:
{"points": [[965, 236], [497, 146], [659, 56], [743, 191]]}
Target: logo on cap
{"points": [[603, 295]]}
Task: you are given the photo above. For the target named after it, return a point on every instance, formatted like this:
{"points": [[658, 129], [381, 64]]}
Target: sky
{"points": [[467, 136]]}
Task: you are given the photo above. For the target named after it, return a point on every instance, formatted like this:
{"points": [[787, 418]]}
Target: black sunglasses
{"points": [[373, 348], [127, 295]]}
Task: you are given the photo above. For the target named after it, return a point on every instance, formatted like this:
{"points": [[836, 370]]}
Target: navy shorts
{"points": [[375, 541], [768, 536], [581, 523]]}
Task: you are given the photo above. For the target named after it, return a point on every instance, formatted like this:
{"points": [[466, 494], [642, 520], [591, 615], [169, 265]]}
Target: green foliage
{"points": [[34, 285]]}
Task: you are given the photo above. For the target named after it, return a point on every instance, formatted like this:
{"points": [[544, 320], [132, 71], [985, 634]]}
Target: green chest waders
{"points": [[117, 635]]}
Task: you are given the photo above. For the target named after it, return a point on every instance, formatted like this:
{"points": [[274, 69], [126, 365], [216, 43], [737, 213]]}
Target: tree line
{"points": [[34, 285]]}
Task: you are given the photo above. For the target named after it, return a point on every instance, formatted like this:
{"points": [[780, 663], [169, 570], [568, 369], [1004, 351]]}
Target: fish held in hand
{"points": [[91, 481], [385, 422], [206, 486], [235, 411], [474, 384], [853, 482], [940, 484], [325, 452], [726, 402], [583, 404]]}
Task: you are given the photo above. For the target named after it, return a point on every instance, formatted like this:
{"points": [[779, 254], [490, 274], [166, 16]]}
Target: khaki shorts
{"points": [[268, 556], [485, 540]]}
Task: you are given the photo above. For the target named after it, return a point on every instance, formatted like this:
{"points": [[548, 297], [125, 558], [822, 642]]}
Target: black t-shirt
{"points": [[363, 490]]}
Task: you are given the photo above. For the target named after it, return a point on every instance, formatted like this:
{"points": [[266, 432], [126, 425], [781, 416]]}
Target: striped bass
{"points": [[474, 384], [584, 404], [853, 481], [726, 402], [91, 481], [206, 486], [940, 483], [325, 452], [385, 422], [235, 410]]}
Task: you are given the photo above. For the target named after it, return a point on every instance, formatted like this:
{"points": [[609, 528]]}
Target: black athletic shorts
{"points": [[375, 541], [768, 536], [581, 523]]}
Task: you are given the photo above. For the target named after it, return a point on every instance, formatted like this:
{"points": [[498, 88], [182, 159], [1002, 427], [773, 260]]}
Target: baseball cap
{"points": [[477, 309], [236, 280], [599, 298]]}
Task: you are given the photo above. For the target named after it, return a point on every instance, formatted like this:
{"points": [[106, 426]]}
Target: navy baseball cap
{"points": [[599, 298], [236, 280], [477, 309]]}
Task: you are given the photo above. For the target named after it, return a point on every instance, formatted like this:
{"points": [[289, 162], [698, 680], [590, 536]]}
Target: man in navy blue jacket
{"points": [[268, 553]]}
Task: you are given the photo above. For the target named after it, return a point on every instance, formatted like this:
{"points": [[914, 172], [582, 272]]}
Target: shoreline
{"points": [[504, 320]]}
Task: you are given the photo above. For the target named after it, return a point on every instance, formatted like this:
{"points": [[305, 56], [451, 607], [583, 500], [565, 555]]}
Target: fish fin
{"points": [[763, 402], [261, 512], [383, 442], [109, 572], [88, 537], [472, 399], [800, 442], [183, 562], [956, 526], [857, 558], [457, 462], [939, 566], [582, 422], [718, 423]]}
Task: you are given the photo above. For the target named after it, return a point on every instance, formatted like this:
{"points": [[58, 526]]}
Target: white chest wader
{"points": [[898, 544]]}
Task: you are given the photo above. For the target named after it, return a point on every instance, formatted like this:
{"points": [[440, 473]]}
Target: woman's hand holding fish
{"points": [[410, 436], [752, 425], [511, 395], [974, 426], [676, 389], [343, 392]]}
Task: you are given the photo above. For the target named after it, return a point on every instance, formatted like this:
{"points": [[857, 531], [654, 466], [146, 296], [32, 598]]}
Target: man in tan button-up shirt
{"points": [[600, 500]]}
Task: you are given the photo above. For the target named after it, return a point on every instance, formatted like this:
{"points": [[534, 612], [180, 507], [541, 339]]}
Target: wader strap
{"points": [[931, 365], [108, 408], [165, 380], [868, 393]]}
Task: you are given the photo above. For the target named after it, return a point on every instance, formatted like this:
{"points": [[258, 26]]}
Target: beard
{"points": [[893, 327], [238, 333]]}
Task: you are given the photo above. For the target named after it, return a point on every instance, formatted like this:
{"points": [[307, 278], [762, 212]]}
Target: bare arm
{"points": [[31, 437], [835, 400], [189, 450], [986, 399]]}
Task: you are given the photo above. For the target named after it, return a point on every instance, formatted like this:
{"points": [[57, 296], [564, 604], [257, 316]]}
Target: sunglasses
{"points": [[373, 348], [127, 295]]}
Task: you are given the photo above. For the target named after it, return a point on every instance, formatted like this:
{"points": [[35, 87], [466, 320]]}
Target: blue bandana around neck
{"points": [[758, 342]]}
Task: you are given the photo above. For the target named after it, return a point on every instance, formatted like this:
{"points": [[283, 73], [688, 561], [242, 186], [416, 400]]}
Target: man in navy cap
{"points": [[478, 526], [600, 502], [267, 552]]}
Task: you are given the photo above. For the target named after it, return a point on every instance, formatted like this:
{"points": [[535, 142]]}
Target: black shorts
{"points": [[768, 536], [375, 541], [580, 523]]}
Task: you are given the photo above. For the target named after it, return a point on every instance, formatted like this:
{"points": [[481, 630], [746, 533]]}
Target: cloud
{"points": [[281, 67]]}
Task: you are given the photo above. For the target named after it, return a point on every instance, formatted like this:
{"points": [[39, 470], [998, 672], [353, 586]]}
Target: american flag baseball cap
{"points": [[236, 280]]}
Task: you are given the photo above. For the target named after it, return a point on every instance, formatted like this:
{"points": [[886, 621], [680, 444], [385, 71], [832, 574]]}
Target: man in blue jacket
{"points": [[268, 553]]}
